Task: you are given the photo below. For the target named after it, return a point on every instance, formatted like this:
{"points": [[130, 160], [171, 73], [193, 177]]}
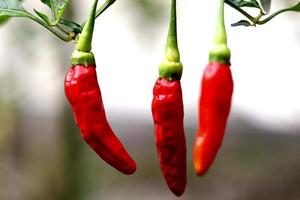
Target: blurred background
{"points": [[42, 155]]}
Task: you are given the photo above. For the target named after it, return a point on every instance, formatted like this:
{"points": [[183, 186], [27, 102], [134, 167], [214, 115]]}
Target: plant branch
{"points": [[256, 20], [62, 36], [240, 10], [102, 8], [273, 15]]}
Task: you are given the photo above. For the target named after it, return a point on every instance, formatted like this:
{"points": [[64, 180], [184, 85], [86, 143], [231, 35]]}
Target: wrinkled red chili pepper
{"points": [[167, 112], [215, 100], [83, 92]]}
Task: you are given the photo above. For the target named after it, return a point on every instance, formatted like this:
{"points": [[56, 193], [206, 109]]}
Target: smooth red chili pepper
{"points": [[167, 112], [215, 100], [214, 108], [83, 92]]}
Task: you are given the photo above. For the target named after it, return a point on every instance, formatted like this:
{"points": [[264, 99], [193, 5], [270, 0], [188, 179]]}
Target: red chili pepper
{"points": [[214, 108], [83, 92], [215, 100], [167, 112]]}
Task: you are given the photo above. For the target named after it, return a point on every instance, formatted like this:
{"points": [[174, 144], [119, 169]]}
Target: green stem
{"points": [[102, 8], [221, 36], [61, 11], [256, 20], [220, 52], [52, 11], [85, 39], [172, 52], [171, 67], [63, 37], [62, 29], [239, 9], [272, 16]]}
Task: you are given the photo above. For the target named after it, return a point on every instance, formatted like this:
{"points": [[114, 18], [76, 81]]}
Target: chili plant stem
{"points": [[102, 8], [63, 37], [240, 10]]}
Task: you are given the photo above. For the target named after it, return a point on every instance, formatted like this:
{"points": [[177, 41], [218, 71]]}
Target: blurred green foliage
{"points": [[3, 20]]}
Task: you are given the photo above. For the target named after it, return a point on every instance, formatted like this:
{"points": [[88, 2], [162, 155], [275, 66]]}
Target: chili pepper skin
{"points": [[167, 112], [83, 93], [214, 107], [215, 100]]}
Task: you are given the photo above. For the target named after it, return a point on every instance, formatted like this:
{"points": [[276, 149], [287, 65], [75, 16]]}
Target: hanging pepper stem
{"points": [[221, 36], [85, 39], [83, 55], [171, 67], [220, 52], [172, 52]]}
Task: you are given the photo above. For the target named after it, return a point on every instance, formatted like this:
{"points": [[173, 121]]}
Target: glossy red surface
{"points": [[167, 112], [83, 92], [214, 107]]}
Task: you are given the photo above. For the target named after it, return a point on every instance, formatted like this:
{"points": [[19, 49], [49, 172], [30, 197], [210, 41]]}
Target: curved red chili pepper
{"points": [[167, 112], [214, 108], [83, 93]]}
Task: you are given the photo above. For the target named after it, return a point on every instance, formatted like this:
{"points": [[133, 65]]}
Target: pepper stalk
{"points": [[171, 67], [83, 55], [220, 52]]}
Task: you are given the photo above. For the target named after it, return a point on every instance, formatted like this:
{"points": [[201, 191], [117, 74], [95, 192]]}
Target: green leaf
{"points": [[12, 8], [57, 8], [265, 5], [76, 28], [48, 3], [295, 8], [42, 16], [241, 23], [60, 8], [246, 3], [3, 20]]}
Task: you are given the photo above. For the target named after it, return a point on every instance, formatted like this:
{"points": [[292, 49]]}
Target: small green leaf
{"points": [[246, 3], [60, 8], [48, 3], [42, 16], [74, 27], [52, 5], [241, 23], [295, 8]]}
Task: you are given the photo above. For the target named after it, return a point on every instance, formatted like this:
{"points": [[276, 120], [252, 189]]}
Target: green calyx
{"points": [[220, 52], [171, 67], [82, 58], [170, 70], [83, 55]]}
